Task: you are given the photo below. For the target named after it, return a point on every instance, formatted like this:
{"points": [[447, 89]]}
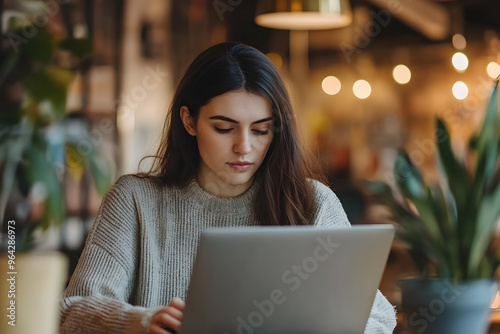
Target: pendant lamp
{"points": [[303, 14]]}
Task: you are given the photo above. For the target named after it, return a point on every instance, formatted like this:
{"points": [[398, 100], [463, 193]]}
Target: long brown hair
{"points": [[286, 195]]}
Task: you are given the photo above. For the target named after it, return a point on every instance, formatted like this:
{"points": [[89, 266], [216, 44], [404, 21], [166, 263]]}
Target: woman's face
{"points": [[234, 133]]}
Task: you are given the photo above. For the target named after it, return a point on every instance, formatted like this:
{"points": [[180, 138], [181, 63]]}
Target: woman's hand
{"points": [[168, 319]]}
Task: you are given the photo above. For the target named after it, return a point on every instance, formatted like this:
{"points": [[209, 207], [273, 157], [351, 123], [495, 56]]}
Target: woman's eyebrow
{"points": [[227, 119]]}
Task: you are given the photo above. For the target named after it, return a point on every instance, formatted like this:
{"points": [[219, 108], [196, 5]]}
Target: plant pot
{"points": [[29, 297], [437, 306]]}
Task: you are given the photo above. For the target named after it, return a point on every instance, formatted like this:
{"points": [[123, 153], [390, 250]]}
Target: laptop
{"points": [[285, 280]]}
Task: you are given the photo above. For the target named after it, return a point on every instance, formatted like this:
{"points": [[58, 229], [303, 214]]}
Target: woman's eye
{"points": [[222, 130], [261, 132]]}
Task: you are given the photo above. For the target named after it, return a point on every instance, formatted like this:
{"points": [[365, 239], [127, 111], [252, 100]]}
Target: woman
{"points": [[229, 149]]}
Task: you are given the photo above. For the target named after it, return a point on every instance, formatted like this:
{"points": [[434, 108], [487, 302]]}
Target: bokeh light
{"points": [[493, 70], [331, 85], [459, 41], [362, 89], [460, 90], [460, 61], [401, 74]]}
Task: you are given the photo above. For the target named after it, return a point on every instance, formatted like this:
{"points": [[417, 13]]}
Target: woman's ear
{"points": [[188, 121]]}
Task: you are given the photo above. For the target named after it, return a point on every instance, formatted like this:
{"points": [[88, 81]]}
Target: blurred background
{"points": [[363, 86]]}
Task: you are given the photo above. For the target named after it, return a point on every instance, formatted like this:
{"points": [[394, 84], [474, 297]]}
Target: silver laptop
{"points": [[287, 280]]}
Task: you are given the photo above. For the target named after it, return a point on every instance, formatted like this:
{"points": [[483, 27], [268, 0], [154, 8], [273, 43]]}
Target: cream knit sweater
{"points": [[140, 252]]}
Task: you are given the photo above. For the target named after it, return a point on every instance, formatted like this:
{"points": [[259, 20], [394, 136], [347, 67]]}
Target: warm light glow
{"points": [[303, 21], [362, 89], [460, 61], [401, 74], [460, 90], [276, 59], [493, 70], [331, 85], [301, 14], [459, 41]]}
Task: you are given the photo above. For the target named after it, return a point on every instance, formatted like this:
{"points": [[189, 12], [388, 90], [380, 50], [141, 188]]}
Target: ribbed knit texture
{"points": [[140, 251]]}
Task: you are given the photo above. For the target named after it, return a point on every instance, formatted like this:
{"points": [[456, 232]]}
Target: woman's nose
{"points": [[242, 145]]}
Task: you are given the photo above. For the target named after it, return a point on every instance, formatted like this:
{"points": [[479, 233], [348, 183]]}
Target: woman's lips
{"points": [[240, 166]]}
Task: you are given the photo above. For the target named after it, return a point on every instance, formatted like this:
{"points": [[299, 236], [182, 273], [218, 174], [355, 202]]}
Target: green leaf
{"points": [[408, 178], [41, 170], [12, 149], [50, 84], [494, 182], [101, 173], [415, 233], [98, 166], [487, 148], [449, 199], [446, 217], [489, 133], [441, 210], [455, 172], [79, 47], [411, 184], [484, 229], [377, 187], [485, 270], [26, 240], [384, 195], [41, 46]]}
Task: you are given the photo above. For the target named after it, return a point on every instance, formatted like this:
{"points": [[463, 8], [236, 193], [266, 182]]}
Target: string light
{"points": [[331, 85], [460, 90], [493, 70], [401, 74], [362, 89], [460, 61]]}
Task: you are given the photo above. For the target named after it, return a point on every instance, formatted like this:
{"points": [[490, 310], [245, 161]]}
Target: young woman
{"points": [[230, 149]]}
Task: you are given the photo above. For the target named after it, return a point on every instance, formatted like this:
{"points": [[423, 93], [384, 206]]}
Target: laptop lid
{"points": [[294, 279]]}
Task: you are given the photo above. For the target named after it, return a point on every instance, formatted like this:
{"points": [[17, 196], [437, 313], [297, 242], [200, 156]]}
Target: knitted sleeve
{"points": [[382, 319], [96, 299]]}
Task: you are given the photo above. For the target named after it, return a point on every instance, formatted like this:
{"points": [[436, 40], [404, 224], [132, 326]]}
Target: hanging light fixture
{"points": [[303, 14]]}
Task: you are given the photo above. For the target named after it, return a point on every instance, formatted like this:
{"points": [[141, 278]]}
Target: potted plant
{"points": [[449, 227], [37, 146]]}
